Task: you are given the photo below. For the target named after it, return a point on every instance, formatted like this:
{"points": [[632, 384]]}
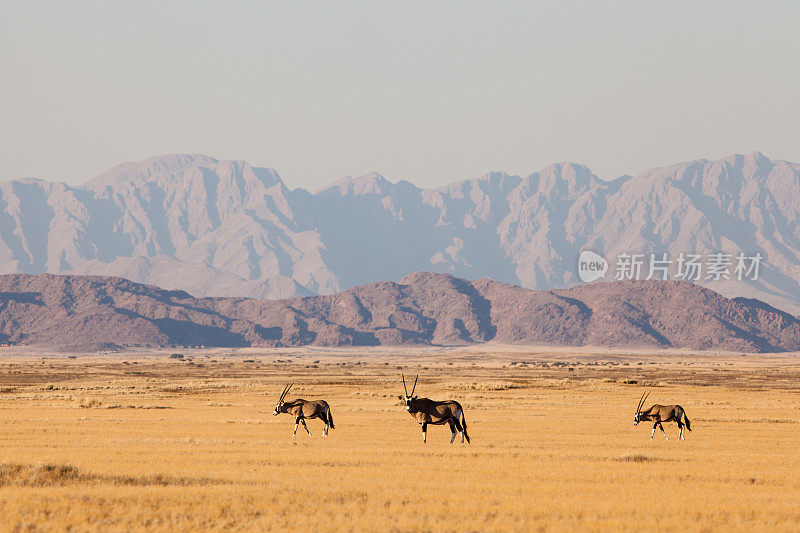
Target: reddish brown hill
{"points": [[645, 313], [93, 311]]}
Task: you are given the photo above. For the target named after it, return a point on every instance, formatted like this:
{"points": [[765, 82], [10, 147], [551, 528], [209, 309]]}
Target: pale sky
{"points": [[426, 91]]}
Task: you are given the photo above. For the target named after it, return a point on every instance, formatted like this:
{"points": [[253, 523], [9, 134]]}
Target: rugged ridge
{"points": [[90, 312], [223, 228]]}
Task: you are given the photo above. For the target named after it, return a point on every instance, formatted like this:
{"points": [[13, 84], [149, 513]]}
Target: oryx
{"points": [[662, 413], [427, 411], [305, 409]]}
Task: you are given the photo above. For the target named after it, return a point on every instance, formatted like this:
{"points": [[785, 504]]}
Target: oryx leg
{"points": [[303, 420], [452, 430], [680, 431], [459, 428], [655, 425], [424, 432], [324, 423], [296, 423], [662, 430]]}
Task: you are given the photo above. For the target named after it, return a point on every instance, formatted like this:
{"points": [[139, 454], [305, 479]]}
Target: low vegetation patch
{"points": [[38, 475], [48, 475], [90, 404], [490, 385], [637, 458]]}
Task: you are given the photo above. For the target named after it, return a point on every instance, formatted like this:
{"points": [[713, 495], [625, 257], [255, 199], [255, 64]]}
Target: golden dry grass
{"points": [[103, 444]]}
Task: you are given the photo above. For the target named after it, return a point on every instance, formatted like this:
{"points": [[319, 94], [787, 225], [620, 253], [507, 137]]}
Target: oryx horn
{"points": [[641, 401], [285, 392]]}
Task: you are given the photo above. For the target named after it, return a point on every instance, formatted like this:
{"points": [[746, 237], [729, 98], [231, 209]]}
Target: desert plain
{"points": [[180, 440]]}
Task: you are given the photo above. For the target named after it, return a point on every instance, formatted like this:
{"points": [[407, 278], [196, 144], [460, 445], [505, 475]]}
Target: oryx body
{"points": [[303, 410], [662, 413], [426, 411]]}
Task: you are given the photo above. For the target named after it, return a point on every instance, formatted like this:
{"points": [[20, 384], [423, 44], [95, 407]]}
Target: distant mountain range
{"points": [[225, 228], [93, 312]]}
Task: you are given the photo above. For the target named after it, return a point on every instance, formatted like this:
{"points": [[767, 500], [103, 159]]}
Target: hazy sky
{"points": [[426, 91]]}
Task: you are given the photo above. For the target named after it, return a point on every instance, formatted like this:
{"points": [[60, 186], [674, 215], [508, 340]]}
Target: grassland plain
{"points": [[142, 440]]}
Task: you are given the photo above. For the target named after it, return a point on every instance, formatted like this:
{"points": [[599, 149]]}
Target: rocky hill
{"points": [[90, 312]]}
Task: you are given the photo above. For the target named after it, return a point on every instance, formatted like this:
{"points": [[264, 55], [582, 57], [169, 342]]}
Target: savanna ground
{"points": [[141, 440]]}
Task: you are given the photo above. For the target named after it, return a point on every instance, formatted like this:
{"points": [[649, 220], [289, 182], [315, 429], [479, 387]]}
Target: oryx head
{"points": [[638, 416], [409, 397], [279, 406]]}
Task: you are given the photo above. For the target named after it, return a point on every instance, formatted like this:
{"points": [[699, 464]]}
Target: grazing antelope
{"points": [[662, 413], [303, 410], [427, 411]]}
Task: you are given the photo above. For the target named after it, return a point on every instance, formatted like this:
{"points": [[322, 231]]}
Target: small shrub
{"points": [[637, 458]]}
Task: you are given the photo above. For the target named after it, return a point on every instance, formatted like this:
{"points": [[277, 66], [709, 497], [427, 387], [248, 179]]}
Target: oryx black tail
{"points": [[464, 425], [330, 418]]}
